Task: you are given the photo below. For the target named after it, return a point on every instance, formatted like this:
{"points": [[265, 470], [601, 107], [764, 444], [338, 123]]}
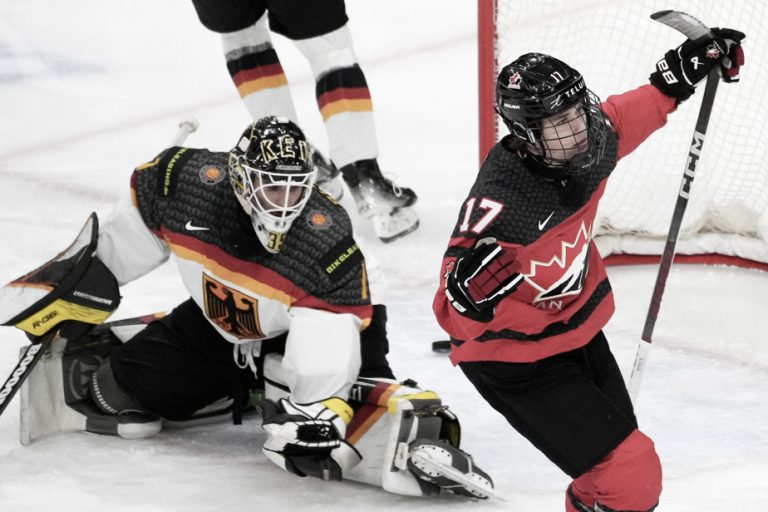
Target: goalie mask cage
{"points": [[615, 45]]}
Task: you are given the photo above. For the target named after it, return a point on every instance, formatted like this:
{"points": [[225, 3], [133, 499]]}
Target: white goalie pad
{"points": [[382, 434], [44, 412], [322, 355], [55, 398]]}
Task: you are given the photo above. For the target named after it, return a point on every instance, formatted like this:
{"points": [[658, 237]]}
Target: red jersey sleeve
{"points": [[636, 114]]}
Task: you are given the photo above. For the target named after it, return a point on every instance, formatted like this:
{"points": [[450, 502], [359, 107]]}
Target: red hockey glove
{"points": [[481, 278], [681, 69]]}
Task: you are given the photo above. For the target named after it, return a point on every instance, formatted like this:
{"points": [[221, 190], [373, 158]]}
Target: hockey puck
{"points": [[442, 346]]}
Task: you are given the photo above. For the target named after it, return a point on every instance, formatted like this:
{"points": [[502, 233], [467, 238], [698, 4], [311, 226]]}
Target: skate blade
{"points": [[425, 461]]}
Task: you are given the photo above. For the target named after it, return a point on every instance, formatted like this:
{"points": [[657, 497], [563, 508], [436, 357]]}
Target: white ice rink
{"points": [[90, 89]]}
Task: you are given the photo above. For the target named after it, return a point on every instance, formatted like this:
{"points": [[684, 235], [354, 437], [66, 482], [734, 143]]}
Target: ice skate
{"points": [[440, 463], [385, 204]]}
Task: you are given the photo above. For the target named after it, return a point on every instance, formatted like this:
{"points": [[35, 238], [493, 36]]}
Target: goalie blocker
{"points": [[68, 294]]}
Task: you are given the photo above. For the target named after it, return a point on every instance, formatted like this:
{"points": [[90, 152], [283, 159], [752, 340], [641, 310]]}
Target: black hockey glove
{"points": [[481, 278], [681, 69], [308, 439]]}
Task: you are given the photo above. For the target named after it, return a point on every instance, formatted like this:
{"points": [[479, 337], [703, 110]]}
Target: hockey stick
{"points": [[24, 367], [186, 127], [693, 29]]}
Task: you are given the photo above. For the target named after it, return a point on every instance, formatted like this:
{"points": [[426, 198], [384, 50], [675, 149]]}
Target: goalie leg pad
{"points": [[125, 417], [43, 399], [397, 421], [56, 399], [107, 395]]}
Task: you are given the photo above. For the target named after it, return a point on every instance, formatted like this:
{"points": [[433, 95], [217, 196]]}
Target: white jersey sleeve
{"points": [[322, 354], [127, 247]]}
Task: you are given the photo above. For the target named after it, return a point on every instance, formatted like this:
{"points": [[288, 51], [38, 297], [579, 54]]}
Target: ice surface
{"points": [[88, 90]]}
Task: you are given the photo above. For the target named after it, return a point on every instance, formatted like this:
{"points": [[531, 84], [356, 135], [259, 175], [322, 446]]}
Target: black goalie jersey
{"points": [[182, 203]]}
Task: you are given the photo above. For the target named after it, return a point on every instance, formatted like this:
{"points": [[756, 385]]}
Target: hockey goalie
{"points": [[279, 308]]}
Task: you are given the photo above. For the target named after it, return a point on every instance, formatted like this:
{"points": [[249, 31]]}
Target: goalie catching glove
{"points": [[481, 278], [682, 68], [308, 439]]}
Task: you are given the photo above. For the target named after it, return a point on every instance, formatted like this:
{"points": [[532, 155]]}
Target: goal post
{"points": [[488, 69], [615, 44]]}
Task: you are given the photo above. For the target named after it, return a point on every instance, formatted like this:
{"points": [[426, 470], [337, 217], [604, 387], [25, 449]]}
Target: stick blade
{"points": [[683, 22]]}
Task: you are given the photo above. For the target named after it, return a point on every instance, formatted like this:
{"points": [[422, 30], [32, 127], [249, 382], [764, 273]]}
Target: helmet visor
{"points": [[278, 195], [563, 136], [572, 138]]}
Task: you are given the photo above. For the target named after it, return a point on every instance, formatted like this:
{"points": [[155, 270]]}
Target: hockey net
{"points": [[615, 45]]}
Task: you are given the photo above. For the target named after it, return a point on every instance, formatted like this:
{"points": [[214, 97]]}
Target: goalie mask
{"points": [[546, 105], [272, 174]]}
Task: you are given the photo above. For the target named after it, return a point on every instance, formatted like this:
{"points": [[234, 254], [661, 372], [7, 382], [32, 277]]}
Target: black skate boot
{"points": [[388, 206]]}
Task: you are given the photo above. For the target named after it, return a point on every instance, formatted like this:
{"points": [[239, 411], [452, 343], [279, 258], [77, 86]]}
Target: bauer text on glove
{"points": [[677, 74]]}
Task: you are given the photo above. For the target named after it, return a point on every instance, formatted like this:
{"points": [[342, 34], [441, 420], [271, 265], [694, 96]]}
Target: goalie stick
{"points": [[24, 367], [186, 127], [693, 29], [40, 344]]}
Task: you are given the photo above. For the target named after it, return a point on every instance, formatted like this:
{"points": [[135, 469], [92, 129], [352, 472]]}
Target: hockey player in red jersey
{"points": [[524, 294], [320, 31], [279, 303]]}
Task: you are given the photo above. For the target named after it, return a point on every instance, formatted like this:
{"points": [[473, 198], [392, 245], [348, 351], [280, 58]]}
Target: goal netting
{"points": [[615, 45]]}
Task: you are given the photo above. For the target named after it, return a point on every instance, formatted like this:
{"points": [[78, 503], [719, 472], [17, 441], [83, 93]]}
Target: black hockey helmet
{"points": [[536, 86], [272, 174]]}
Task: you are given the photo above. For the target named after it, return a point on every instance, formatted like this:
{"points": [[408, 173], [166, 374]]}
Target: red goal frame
{"points": [[488, 133]]}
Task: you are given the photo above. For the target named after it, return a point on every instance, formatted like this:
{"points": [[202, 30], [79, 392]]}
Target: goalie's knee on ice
{"points": [[107, 395], [629, 478]]}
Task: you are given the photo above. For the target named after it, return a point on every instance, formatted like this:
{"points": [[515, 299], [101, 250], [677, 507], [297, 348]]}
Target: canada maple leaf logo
{"points": [[564, 273]]}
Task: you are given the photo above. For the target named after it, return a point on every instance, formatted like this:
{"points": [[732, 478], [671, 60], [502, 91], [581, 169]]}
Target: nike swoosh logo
{"points": [[189, 227], [542, 224]]}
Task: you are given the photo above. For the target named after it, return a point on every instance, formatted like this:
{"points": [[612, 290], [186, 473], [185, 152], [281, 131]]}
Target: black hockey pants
{"points": [[574, 407]]}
